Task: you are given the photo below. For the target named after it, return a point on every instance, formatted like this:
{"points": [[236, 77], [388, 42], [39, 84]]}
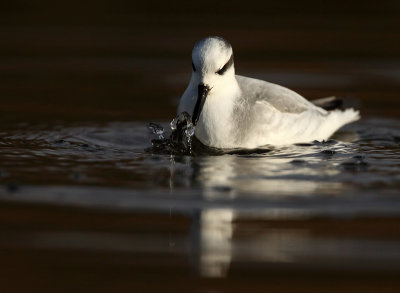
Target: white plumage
{"points": [[239, 112]]}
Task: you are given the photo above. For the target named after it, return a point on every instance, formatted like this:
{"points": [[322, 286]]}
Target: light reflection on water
{"points": [[211, 241], [106, 166]]}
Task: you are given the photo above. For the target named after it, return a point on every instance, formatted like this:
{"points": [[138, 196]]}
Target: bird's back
{"points": [[279, 97], [268, 113]]}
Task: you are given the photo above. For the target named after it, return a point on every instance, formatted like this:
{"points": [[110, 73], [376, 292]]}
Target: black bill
{"points": [[201, 98]]}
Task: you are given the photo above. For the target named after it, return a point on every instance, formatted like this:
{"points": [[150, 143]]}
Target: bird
{"points": [[233, 111]]}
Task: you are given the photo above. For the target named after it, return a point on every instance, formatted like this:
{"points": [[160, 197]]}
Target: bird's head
{"points": [[212, 65]]}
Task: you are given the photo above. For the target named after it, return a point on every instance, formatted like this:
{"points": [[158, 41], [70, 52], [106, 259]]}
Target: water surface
{"points": [[111, 166]]}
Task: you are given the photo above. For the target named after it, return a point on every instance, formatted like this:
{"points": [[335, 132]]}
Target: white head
{"points": [[213, 70]]}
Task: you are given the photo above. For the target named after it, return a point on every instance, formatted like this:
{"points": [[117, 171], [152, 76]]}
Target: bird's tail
{"points": [[335, 120], [348, 115], [338, 118]]}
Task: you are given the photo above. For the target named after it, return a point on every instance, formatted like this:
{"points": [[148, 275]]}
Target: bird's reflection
{"points": [[268, 176], [230, 177], [211, 235]]}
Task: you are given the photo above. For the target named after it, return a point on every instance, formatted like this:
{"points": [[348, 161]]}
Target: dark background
{"points": [[128, 60]]}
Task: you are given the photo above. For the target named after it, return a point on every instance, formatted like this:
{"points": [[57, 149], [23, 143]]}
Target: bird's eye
{"points": [[194, 68], [222, 70], [226, 66]]}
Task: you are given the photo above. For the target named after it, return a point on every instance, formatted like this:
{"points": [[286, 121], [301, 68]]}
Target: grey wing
{"points": [[279, 97]]}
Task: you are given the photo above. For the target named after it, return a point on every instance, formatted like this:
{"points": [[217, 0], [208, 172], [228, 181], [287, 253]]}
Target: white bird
{"points": [[232, 111]]}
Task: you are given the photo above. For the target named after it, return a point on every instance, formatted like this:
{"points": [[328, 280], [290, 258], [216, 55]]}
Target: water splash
{"points": [[182, 130], [181, 138], [157, 129]]}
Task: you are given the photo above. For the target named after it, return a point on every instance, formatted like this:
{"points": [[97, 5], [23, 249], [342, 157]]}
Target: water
{"points": [[360, 162], [113, 166]]}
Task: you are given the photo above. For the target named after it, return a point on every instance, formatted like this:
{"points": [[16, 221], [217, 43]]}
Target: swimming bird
{"points": [[233, 111]]}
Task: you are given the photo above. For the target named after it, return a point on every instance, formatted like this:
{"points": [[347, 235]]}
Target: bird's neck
{"points": [[215, 124]]}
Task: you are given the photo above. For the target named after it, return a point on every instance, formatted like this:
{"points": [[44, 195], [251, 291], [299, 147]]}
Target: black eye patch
{"points": [[226, 66], [194, 68]]}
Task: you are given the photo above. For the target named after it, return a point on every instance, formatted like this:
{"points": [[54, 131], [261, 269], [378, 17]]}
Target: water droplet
{"points": [[157, 129], [173, 123]]}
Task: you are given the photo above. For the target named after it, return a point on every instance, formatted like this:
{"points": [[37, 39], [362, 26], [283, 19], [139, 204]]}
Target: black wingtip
{"points": [[328, 104]]}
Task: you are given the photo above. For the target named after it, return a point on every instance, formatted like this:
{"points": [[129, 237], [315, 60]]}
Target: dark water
{"points": [[86, 204], [360, 161], [111, 167]]}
